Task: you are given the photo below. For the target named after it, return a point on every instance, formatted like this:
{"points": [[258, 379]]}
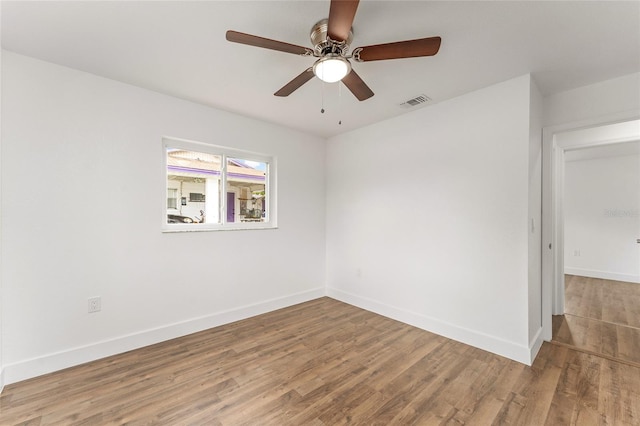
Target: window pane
{"points": [[194, 178], [246, 190]]}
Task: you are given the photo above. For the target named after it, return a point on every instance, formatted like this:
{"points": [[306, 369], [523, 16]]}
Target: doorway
{"points": [[557, 141], [601, 204]]}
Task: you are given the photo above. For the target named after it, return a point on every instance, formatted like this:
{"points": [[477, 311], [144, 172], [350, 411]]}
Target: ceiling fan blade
{"points": [[400, 49], [296, 83], [341, 15], [358, 87], [267, 43]]}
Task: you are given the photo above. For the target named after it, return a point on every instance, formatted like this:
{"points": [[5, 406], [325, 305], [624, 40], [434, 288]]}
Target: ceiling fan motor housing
{"points": [[323, 45]]}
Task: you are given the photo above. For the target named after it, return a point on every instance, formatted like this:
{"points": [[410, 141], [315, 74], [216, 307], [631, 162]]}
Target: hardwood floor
{"points": [[327, 363], [601, 317], [611, 301], [603, 338]]}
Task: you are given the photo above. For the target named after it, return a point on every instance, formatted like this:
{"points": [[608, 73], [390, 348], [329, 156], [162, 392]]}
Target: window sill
{"points": [[191, 228]]}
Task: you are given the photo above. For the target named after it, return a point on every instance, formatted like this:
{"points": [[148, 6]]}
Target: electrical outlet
{"points": [[95, 304]]}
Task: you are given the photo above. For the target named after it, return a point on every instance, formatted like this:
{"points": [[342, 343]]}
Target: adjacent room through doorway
{"points": [[601, 227]]}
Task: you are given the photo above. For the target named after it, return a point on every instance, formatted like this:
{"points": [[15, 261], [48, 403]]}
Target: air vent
{"points": [[418, 100]]}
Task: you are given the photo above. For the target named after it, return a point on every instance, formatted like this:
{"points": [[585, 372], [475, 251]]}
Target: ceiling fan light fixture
{"points": [[331, 68]]}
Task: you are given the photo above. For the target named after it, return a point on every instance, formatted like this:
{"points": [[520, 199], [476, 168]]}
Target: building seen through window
{"points": [[206, 188]]}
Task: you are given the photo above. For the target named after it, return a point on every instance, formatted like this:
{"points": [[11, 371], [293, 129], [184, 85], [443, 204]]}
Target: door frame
{"points": [[555, 141]]}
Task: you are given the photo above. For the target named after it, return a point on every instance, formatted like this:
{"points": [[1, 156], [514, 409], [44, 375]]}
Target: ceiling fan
{"points": [[331, 39]]}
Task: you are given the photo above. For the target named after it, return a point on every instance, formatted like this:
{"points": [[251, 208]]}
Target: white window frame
{"points": [[225, 152]]}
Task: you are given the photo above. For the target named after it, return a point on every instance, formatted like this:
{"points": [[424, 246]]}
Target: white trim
{"points": [[535, 344], [1, 287], [57, 361], [552, 209], [483, 341], [605, 275]]}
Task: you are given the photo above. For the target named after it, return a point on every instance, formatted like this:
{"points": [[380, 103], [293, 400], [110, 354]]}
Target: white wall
{"points": [[74, 139], [593, 102], [597, 107], [602, 218], [535, 220], [410, 233], [1, 214], [427, 217]]}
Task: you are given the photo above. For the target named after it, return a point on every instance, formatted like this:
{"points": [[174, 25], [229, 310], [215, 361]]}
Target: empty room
{"points": [[319, 212]]}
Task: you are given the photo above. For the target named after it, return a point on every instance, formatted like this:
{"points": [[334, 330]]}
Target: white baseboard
{"points": [[1, 379], [630, 278], [57, 361], [535, 344], [496, 345]]}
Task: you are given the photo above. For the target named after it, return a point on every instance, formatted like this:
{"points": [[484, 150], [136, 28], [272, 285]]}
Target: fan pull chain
{"points": [[340, 103], [322, 97]]}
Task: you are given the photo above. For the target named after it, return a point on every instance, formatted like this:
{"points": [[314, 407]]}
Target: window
{"points": [[218, 188], [172, 198], [196, 198]]}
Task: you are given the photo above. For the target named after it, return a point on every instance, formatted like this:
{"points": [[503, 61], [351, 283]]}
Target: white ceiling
{"points": [[179, 48]]}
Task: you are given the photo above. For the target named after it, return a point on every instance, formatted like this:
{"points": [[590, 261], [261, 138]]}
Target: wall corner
{"points": [[534, 294], [1, 310]]}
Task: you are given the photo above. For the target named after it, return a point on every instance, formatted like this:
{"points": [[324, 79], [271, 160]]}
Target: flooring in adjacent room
{"points": [[327, 363], [601, 317]]}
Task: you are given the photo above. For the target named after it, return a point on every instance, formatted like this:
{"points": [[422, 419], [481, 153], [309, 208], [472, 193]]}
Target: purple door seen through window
{"points": [[231, 207]]}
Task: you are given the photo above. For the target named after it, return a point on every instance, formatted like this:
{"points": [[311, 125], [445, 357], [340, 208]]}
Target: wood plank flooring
{"points": [[606, 300], [604, 338], [327, 363], [601, 317]]}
